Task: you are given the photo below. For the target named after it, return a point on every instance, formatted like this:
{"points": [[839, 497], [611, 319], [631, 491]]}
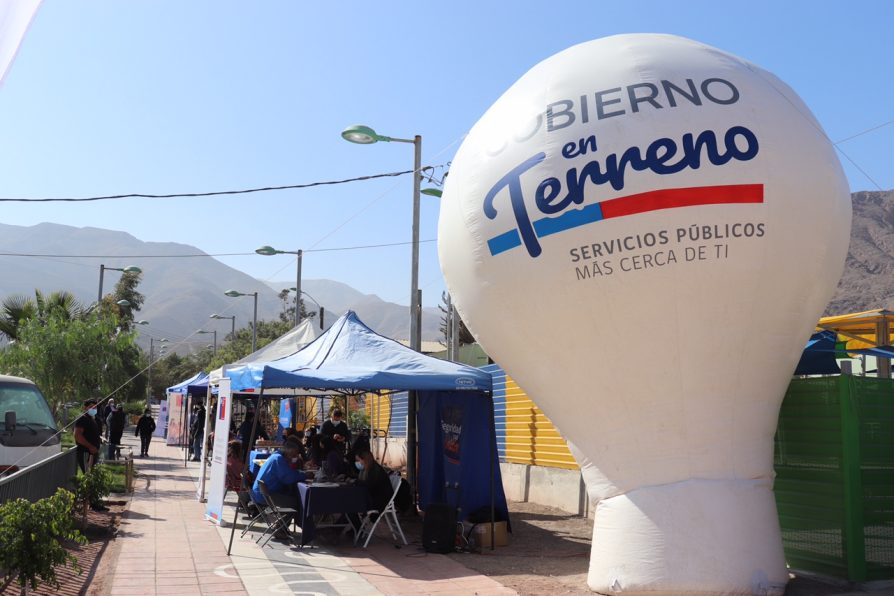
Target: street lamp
{"points": [[270, 251], [254, 323], [102, 270], [215, 338], [322, 310], [151, 358], [232, 323], [364, 135]]}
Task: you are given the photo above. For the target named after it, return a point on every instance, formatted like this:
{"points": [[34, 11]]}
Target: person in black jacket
{"points": [[117, 420], [145, 428], [374, 478], [335, 433]]}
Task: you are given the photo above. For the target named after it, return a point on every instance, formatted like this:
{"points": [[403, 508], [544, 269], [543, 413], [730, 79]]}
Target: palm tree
{"points": [[17, 308]]}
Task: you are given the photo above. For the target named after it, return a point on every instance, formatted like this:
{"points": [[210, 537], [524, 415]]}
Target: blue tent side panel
{"points": [[499, 396], [456, 438]]}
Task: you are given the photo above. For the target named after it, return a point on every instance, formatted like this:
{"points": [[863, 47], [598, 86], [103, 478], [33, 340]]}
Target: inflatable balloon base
{"points": [[691, 537]]}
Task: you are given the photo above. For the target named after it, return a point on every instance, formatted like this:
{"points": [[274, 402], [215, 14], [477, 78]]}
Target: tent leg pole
{"points": [[233, 529], [493, 456], [411, 446]]}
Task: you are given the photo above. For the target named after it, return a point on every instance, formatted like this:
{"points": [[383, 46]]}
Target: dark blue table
{"points": [[323, 498], [252, 456]]}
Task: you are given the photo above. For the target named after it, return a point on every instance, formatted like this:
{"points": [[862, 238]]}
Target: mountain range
{"points": [[180, 292]]}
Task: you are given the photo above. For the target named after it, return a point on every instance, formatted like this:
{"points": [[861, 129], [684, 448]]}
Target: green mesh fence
{"points": [[835, 476]]}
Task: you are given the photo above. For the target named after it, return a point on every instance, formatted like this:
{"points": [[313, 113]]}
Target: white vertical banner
{"points": [[214, 506], [161, 426]]}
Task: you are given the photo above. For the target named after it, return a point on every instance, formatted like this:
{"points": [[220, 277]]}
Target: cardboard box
{"points": [[481, 534]]}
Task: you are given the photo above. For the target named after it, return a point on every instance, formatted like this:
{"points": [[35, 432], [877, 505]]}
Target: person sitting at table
{"points": [[281, 473], [374, 478], [234, 466], [334, 464]]}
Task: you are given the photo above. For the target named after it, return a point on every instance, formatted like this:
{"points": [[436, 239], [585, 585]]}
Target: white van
{"points": [[27, 430]]}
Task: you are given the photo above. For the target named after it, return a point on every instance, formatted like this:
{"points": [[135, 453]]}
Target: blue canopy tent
{"points": [[196, 385], [455, 416], [821, 351]]}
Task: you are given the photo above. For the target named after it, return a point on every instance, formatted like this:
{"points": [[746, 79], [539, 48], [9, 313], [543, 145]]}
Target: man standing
{"points": [[335, 433], [104, 416], [198, 433], [145, 428], [87, 436], [116, 421]]}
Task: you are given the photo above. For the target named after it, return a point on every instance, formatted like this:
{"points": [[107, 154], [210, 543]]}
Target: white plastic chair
{"points": [[372, 517]]}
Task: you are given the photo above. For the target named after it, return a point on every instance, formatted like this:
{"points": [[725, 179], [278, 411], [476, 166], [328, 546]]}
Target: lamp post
{"points": [[254, 323], [102, 270], [151, 359], [269, 251], [322, 310], [364, 135], [214, 331], [232, 323]]}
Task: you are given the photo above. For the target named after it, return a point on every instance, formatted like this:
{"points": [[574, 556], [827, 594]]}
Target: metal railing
{"points": [[42, 479]]}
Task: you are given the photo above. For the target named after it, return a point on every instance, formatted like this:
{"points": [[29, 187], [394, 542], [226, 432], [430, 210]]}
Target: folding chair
{"points": [[277, 517], [244, 496], [372, 517]]}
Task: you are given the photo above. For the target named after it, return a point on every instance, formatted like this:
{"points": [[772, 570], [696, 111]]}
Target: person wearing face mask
{"points": [[374, 478], [282, 473], [87, 436], [335, 433]]}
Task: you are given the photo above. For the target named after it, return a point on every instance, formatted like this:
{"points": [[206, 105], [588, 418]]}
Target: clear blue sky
{"points": [[164, 96]]}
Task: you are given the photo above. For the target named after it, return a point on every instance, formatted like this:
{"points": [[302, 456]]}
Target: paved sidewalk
{"points": [[165, 546]]}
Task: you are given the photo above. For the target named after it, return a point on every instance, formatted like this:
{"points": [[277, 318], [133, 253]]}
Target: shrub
{"points": [[134, 408], [93, 486], [31, 537]]}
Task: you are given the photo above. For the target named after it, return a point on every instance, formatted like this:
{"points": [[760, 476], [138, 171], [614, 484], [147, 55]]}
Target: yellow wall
{"points": [[530, 437]]}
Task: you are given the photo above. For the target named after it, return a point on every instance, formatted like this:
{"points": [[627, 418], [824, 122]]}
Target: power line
{"points": [[207, 194], [187, 256]]}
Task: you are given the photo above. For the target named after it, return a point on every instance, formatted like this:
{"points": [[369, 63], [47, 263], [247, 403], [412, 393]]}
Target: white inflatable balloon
{"points": [[643, 230]]}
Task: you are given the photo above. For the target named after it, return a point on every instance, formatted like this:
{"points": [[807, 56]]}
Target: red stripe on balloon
{"points": [[671, 198]]}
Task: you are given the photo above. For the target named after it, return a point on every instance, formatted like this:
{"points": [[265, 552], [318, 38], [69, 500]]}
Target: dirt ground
{"points": [[548, 552]]}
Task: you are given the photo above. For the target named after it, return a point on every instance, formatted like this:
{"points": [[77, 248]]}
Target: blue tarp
{"points": [[196, 384], [350, 355], [818, 357]]}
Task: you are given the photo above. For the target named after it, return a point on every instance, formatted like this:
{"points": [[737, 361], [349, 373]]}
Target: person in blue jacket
{"points": [[282, 473]]}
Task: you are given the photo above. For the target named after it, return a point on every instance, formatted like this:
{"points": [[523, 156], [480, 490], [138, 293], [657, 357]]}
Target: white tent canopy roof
{"points": [[285, 345]]}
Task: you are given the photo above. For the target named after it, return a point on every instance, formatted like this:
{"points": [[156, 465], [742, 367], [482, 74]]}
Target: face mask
{"points": [[92, 411], [358, 465], [294, 460]]}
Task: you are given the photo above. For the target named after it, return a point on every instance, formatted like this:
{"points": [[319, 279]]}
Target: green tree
{"points": [[287, 307], [32, 538], [71, 359], [16, 309]]}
